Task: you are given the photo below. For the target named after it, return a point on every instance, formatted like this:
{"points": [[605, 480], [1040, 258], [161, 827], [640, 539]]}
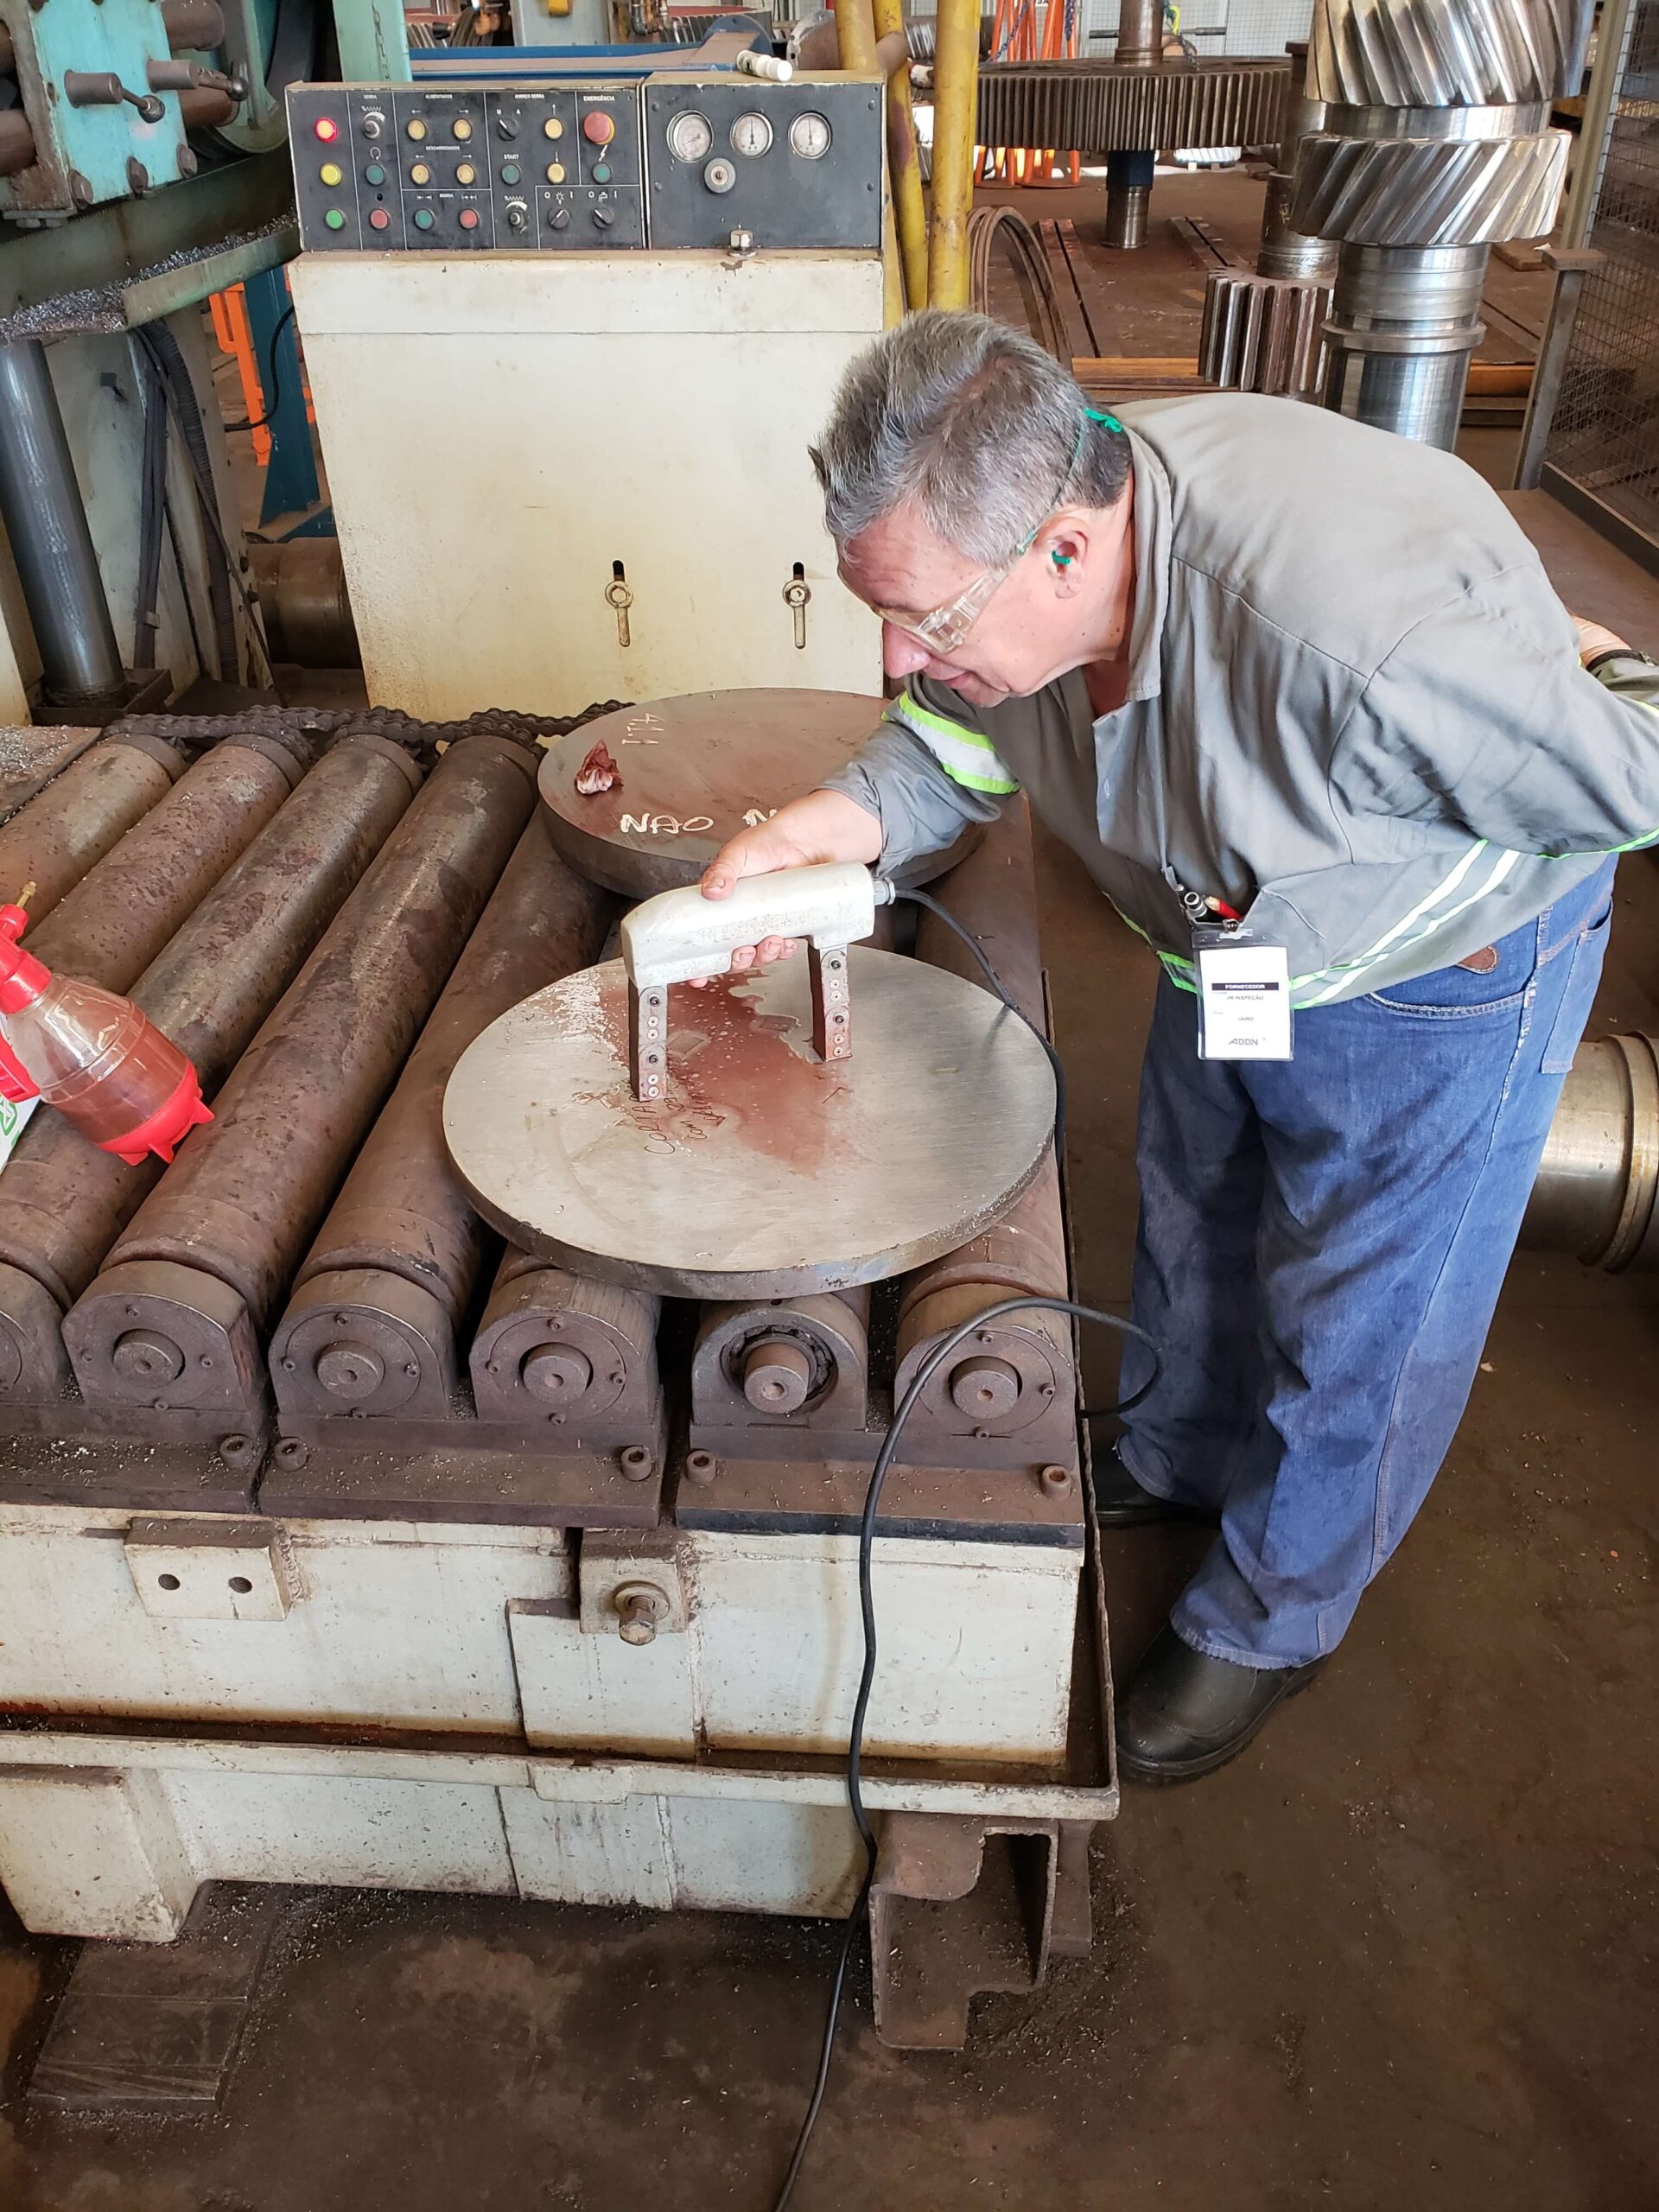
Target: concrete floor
{"points": [[1404, 1951]]}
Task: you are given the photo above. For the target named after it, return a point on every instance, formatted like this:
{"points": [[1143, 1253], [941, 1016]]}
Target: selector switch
{"points": [[372, 126], [506, 124], [604, 216], [598, 126], [559, 219], [518, 214]]}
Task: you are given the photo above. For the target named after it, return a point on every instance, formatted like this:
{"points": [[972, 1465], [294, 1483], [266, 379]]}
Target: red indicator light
{"points": [[327, 129]]}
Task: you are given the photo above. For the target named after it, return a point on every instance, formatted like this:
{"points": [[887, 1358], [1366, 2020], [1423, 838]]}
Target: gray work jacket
{"points": [[1355, 712]]}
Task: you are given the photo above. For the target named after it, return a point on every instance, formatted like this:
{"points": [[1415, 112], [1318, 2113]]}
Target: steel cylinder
{"points": [[16, 141], [803, 1363], [56, 838], [1129, 197], [560, 1356], [1014, 1376], [243, 1203], [1285, 252], [63, 1202], [395, 1263], [1596, 1190], [1404, 323], [45, 522], [1140, 32], [121, 913], [307, 609]]}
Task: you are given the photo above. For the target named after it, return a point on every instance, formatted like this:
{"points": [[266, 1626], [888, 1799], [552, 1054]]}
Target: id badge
{"points": [[1244, 996]]}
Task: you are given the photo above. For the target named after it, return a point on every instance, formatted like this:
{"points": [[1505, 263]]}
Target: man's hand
{"points": [[1593, 640], [822, 826]]}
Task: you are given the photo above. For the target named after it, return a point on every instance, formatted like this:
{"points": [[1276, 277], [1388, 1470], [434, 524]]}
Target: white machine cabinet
{"points": [[509, 437]]}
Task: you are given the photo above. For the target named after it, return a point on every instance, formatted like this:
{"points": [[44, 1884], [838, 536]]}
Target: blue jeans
{"points": [[1322, 1243]]}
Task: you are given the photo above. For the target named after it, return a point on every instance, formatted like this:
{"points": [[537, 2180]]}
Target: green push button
{"points": [[424, 218], [509, 172], [601, 172], [335, 219], [374, 173]]}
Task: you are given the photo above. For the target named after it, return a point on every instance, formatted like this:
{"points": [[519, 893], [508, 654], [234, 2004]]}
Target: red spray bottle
{"points": [[103, 1064]]}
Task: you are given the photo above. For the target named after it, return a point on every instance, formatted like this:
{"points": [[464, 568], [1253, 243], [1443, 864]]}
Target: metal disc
{"points": [[694, 770], [766, 1171]]}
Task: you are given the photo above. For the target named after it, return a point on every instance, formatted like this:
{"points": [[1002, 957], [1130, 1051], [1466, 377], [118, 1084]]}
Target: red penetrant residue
{"points": [[729, 1062]]}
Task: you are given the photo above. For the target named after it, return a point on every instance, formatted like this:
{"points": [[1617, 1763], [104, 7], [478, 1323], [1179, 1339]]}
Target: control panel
{"points": [[583, 165], [391, 168]]}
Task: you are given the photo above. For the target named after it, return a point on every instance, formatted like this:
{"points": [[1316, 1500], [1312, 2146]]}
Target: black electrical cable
{"points": [[273, 380], [919, 1383]]}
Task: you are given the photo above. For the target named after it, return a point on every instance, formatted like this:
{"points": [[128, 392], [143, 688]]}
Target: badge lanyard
{"points": [[1243, 977]]}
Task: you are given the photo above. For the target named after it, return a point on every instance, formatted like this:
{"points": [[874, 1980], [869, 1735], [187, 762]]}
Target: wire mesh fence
{"points": [[1605, 437]]}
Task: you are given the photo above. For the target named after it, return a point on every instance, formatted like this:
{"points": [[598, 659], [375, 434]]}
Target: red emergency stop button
{"points": [[598, 127], [470, 219]]}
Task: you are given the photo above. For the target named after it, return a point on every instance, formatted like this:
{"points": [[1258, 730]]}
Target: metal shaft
{"points": [[1405, 321], [1128, 196], [80, 815], [45, 522], [1285, 252], [1140, 32], [209, 990], [119, 915], [402, 1224], [243, 1200]]}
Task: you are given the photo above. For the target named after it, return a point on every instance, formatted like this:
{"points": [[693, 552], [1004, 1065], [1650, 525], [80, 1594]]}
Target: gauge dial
{"points": [[751, 134], [689, 135], [808, 136]]}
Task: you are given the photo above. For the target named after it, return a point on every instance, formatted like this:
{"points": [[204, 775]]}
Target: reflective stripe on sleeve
{"points": [[965, 756]]}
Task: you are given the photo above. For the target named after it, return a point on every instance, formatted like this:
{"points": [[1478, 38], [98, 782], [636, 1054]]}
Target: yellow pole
{"points": [[855, 44], [956, 105], [903, 162]]}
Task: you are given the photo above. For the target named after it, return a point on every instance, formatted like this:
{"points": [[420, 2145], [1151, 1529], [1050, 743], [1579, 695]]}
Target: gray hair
{"points": [[973, 422]]}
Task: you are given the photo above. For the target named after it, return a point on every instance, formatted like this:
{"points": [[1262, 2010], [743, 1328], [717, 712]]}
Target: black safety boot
{"points": [[1120, 1502], [1185, 1715]]}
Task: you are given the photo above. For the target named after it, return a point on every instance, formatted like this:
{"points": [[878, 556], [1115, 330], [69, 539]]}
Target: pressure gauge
{"points": [[751, 134], [689, 135], [808, 136]]}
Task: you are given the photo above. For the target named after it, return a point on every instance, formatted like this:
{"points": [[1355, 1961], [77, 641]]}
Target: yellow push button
{"points": [[556, 172], [553, 128], [466, 174], [463, 128], [330, 172], [420, 173]]}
